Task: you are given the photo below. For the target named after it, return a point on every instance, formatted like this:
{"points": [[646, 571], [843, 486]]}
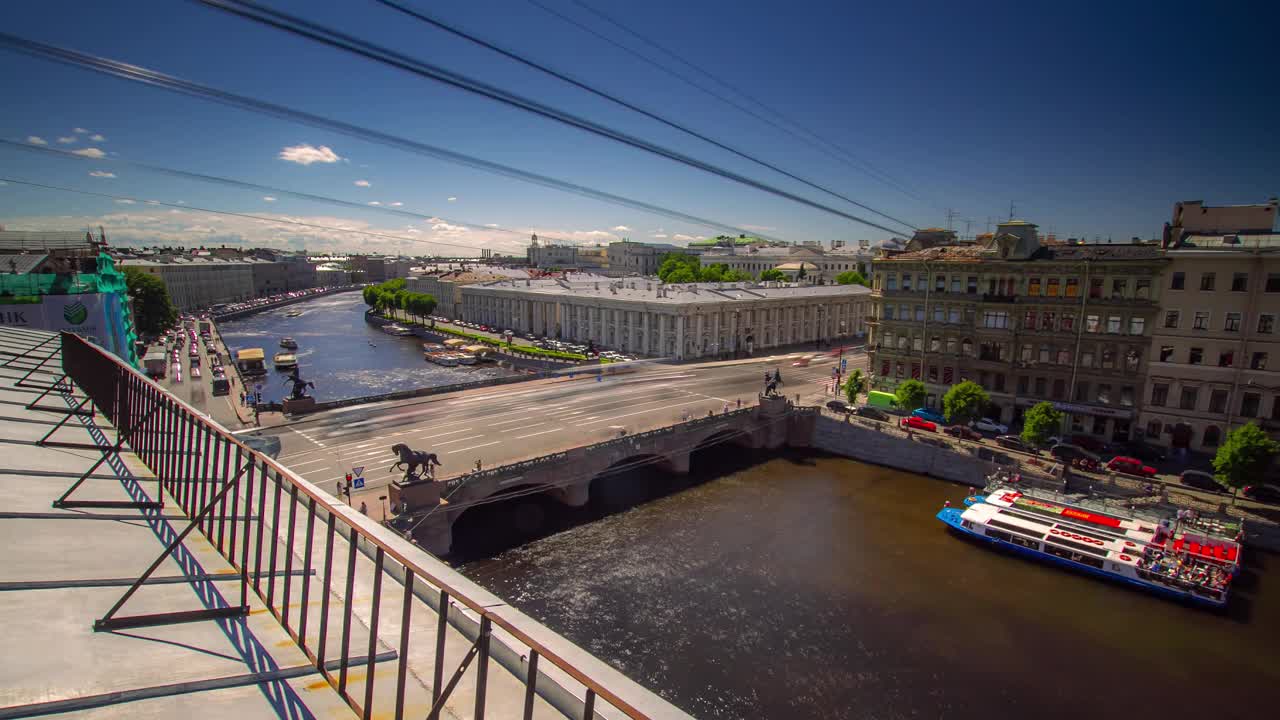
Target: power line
{"points": [[841, 155], [154, 78], [66, 154], [197, 208], [356, 46], [512, 55]]}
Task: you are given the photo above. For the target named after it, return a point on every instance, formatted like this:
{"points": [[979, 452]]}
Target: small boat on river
{"points": [[1193, 560], [288, 343], [285, 360], [397, 330], [293, 313]]}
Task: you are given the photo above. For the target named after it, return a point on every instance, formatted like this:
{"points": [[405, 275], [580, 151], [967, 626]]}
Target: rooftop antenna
{"points": [[1012, 208], [951, 215]]}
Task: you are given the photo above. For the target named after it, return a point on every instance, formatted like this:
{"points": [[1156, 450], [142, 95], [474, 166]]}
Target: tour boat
{"points": [[293, 313], [465, 359], [285, 360], [397, 330], [289, 343], [1185, 561]]}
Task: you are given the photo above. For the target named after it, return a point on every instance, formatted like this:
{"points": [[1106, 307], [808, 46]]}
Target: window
{"points": [[903, 341], [1259, 361], [1266, 324], [1119, 287], [904, 312], [973, 284], [933, 373], [955, 283], [917, 344], [1082, 392], [999, 382], [1171, 318], [1029, 321], [1051, 289], [1022, 385], [901, 370], [1091, 324], [884, 368], [1059, 389], [1113, 324], [1232, 323], [919, 313], [891, 281], [1189, 396], [1249, 404], [966, 347], [951, 346], [1177, 281], [1086, 358], [1044, 353], [906, 282], [935, 344], [1142, 289], [1166, 353], [1153, 428], [1239, 282], [1202, 320], [1195, 356], [1073, 287], [1132, 359], [1212, 436], [939, 314], [1095, 288], [1207, 281], [1047, 320], [1218, 401], [1226, 359], [888, 312], [1104, 393], [1126, 395], [1137, 325], [940, 283], [1033, 286], [995, 319], [1159, 394], [1068, 322], [1273, 282], [1040, 385], [1027, 352], [954, 316], [1064, 356]]}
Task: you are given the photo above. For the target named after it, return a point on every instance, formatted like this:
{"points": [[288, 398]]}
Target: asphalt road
{"points": [[514, 422]]}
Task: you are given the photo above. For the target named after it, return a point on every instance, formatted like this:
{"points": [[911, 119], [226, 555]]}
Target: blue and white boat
{"points": [[1186, 565]]}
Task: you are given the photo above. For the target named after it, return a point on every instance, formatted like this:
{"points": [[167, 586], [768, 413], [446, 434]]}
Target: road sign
{"points": [[844, 363], [357, 471], [357, 483]]}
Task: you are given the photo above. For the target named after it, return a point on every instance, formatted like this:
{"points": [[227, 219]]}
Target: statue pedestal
{"points": [[419, 494], [301, 405]]}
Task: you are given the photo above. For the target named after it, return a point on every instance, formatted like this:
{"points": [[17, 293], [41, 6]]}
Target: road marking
{"points": [[638, 412], [544, 432], [308, 437], [451, 432], [450, 442], [508, 422], [473, 447], [309, 462]]}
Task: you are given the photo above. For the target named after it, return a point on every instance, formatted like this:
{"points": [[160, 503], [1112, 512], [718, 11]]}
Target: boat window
{"points": [[1026, 542], [1081, 547], [998, 534], [1086, 560], [1015, 528], [1028, 517]]}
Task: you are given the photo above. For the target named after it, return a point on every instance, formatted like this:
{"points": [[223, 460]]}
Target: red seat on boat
{"points": [[1195, 548], [1177, 544], [1231, 553], [1219, 552]]}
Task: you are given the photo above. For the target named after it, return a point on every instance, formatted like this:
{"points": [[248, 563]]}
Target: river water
{"points": [[342, 354], [818, 587]]}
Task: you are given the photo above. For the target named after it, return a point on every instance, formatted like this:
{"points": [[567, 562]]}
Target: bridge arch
{"points": [[735, 436]]}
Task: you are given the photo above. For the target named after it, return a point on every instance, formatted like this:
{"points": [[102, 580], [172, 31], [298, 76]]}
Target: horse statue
{"points": [[413, 459], [299, 385]]}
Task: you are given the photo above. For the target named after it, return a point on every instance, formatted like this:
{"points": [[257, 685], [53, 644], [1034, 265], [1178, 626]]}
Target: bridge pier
{"points": [[573, 495]]}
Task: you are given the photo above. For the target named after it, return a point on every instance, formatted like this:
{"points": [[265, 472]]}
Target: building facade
{"points": [[633, 258], [1069, 324], [200, 282], [1215, 352], [683, 321], [821, 266]]}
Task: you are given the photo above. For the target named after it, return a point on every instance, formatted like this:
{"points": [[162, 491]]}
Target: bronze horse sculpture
{"points": [[413, 459]]}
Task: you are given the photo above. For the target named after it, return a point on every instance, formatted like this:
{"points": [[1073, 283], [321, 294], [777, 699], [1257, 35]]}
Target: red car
{"points": [[914, 423], [1130, 466]]}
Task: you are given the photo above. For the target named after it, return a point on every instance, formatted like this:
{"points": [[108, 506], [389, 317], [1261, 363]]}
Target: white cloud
{"points": [[102, 174], [453, 199], [622, 228], [37, 140], [182, 202], [3, 182], [362, 183], [97, 137], [268, 198], [94, 153], [80, 131], [374, 202], [396, 204], [682, 237], [447, 230], [659, 235], [492, 225], [126, 201], [307, 154], [67, 140]]}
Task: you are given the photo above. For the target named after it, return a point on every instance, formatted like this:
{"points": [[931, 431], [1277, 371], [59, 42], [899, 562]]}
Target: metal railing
{"points": [[238, 498]]}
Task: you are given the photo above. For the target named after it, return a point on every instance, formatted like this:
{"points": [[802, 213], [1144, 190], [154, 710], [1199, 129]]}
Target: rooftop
{"points": [[650, 291]]}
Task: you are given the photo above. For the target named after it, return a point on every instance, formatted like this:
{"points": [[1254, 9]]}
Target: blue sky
{"points": [[1093, 120]]}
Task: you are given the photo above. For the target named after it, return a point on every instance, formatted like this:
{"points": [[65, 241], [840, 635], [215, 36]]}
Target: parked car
{"points": [[963, 433], [931, 415], [914, 423], [839, 406], [989, 425], [1145, 453], [867, 411], [1200, 480], [1262, 493], [1130, 466], [1013, 442], [1067, 452]]}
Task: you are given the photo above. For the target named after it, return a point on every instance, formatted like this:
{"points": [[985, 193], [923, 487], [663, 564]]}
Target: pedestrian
{"points": [[364, 508], [739, 403], [726, 408], [479, 465]]}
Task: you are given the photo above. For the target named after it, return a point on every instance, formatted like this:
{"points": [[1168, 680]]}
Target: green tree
{"points": [[422, 304], [153, 309], [1040, 423], [802, 274], [911, 395], [712, 273], [773, 275], [402, 299], [851, 277], [370, 294], [855, 386], [682, 274], [1244, 457], [964, 402], [673, 262], [736, 275]]}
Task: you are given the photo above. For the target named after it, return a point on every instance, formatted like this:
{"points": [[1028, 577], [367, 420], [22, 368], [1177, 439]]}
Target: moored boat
{"points": [[397, 330], [1186, 561], [444, 359], [289, 343]]}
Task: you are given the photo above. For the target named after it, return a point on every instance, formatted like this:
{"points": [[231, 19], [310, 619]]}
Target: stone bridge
{"points": [[567, 475]]}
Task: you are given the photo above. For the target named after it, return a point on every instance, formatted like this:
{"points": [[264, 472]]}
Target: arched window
{"points": [[1212, 436], [903, 340], [966, 347]]}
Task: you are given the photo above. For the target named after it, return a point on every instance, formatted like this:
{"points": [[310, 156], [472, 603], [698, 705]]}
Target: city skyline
{"points": [[1126, 130]]}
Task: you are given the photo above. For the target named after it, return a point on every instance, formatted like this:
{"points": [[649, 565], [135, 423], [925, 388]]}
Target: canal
{"points": [[809, 586], [342, 354]]}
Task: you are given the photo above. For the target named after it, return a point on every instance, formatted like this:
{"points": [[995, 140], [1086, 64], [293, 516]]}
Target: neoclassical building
{"points": [[646, 317]]}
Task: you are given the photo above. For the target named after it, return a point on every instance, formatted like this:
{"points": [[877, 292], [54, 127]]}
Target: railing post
{"points": [[442, 627], [344, 658], [406, 612], [482, 670], [378, 559]]}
